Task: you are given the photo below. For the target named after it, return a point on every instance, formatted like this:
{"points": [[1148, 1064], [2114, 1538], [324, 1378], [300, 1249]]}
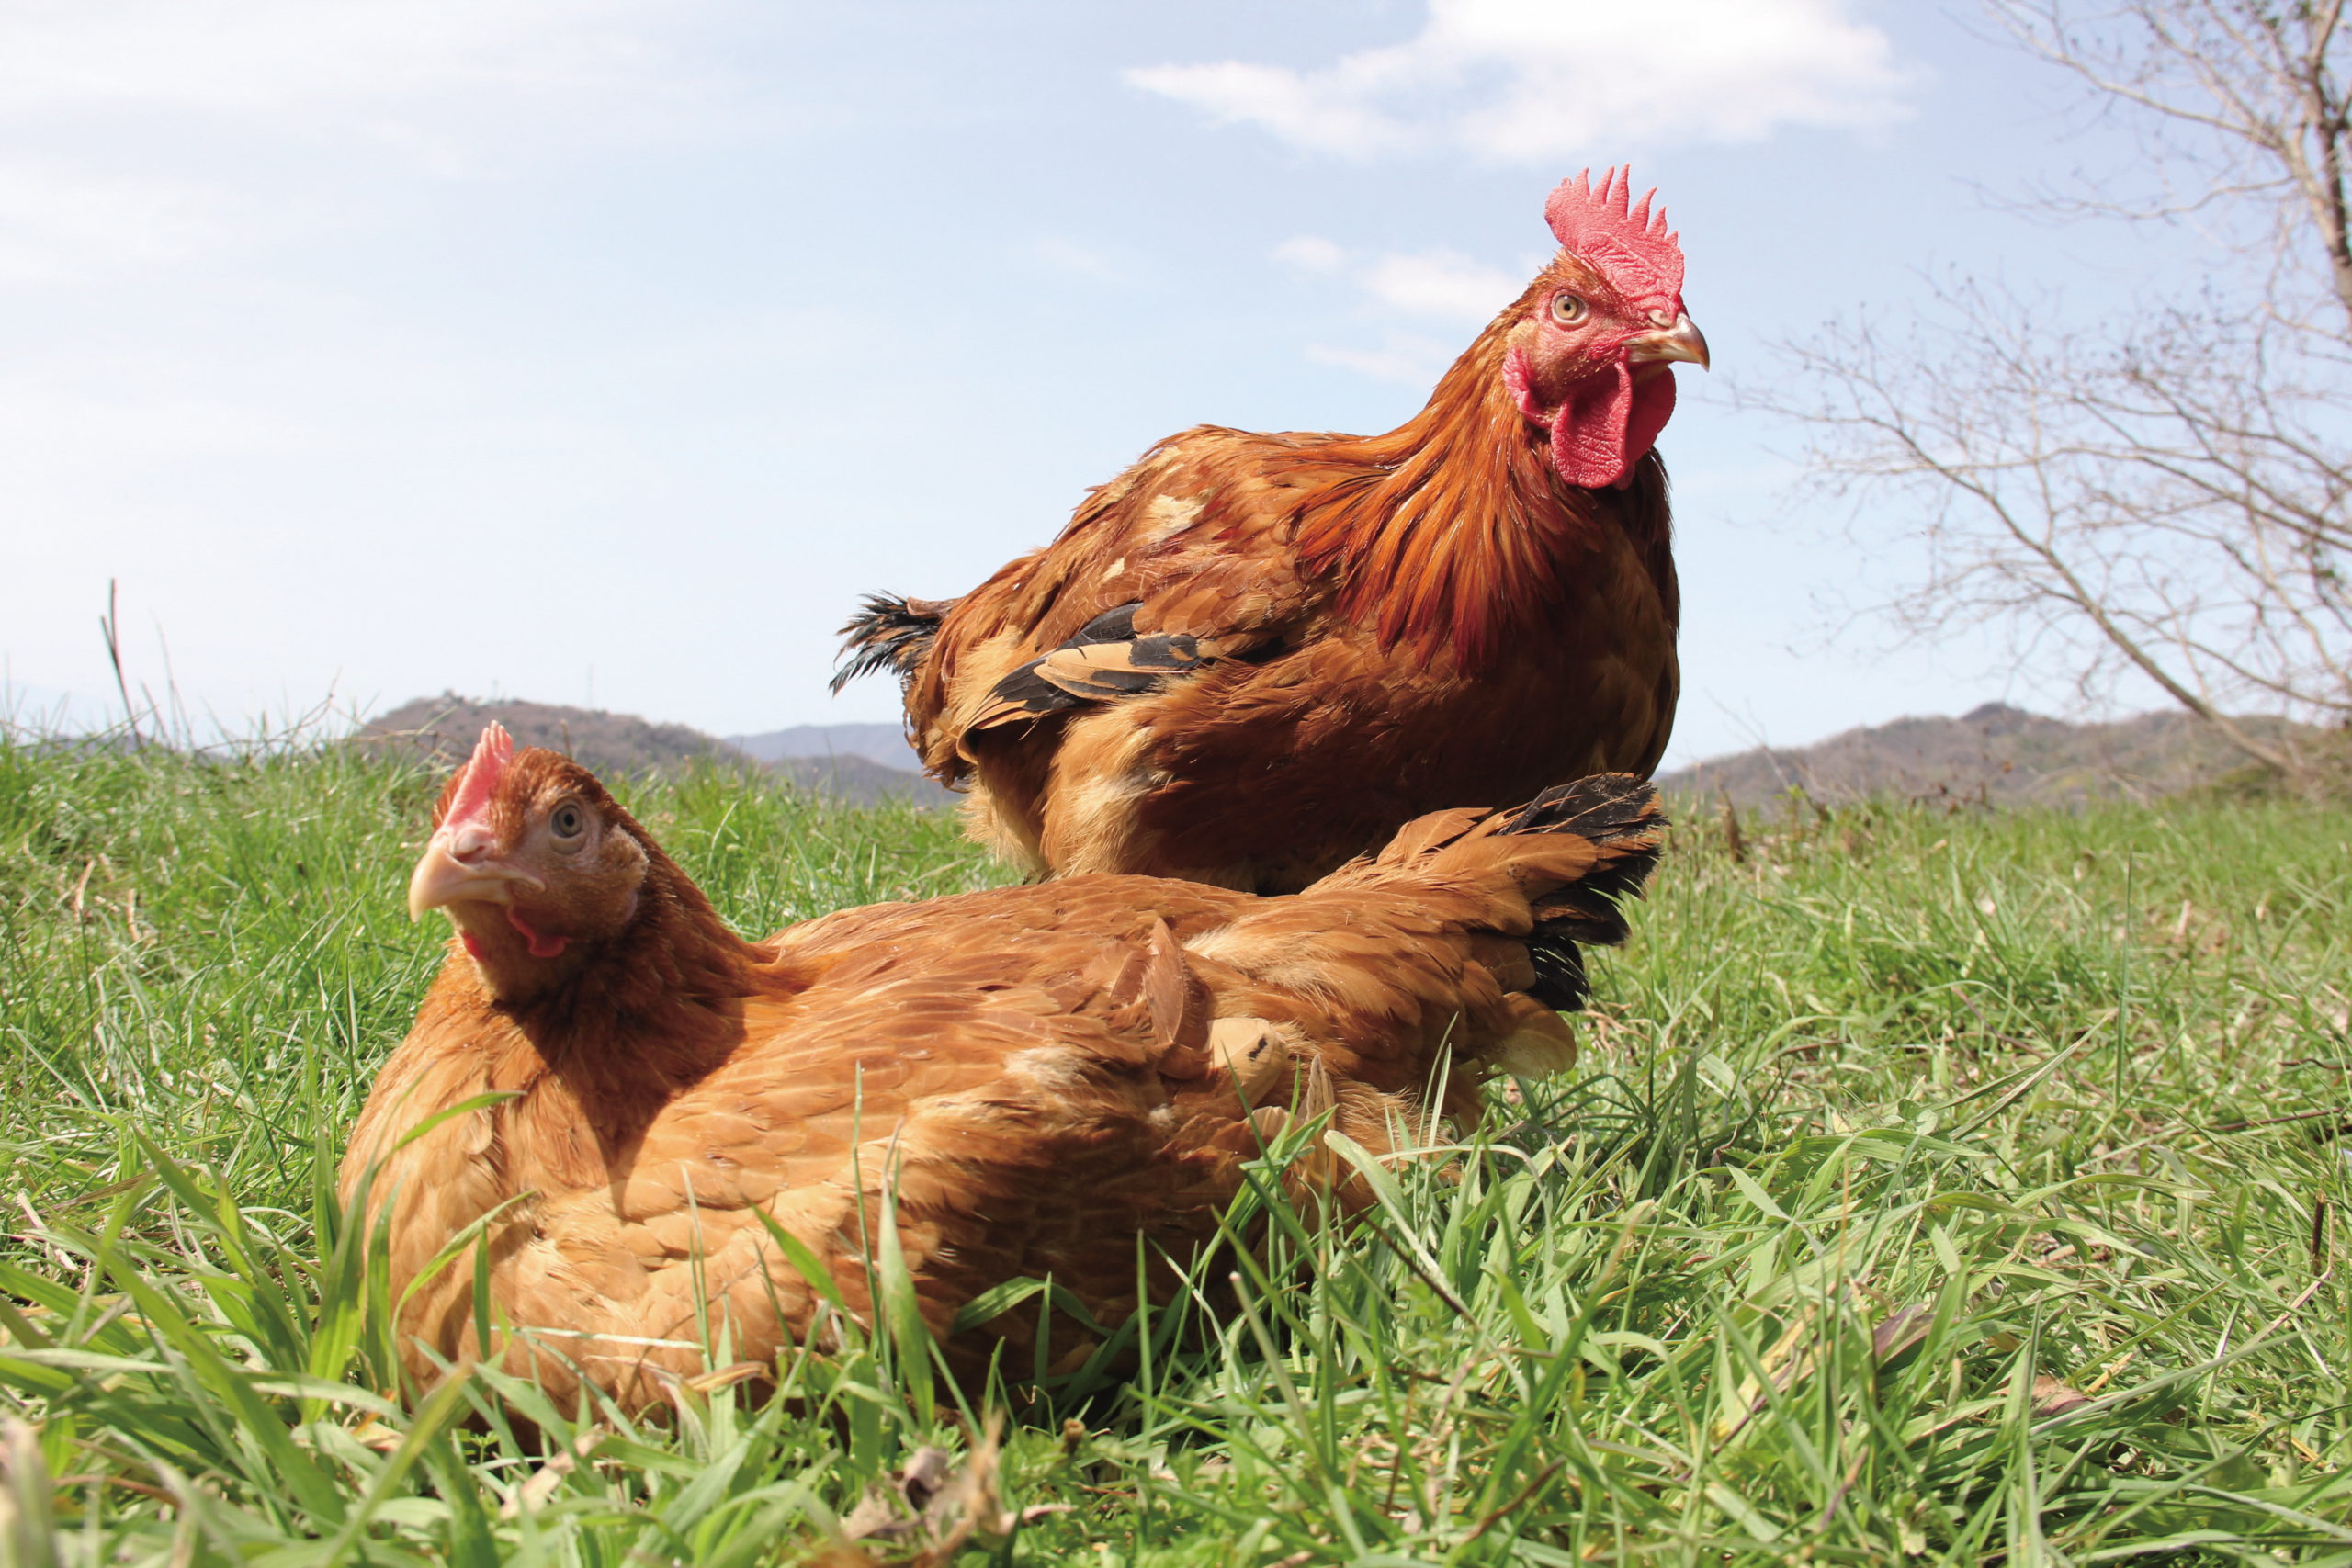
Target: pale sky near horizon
{"points": [[604, 351]]}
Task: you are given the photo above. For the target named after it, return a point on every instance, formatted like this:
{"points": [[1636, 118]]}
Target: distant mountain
{"points": [[442, 730], [883, 743], [1996, 754], [862, 779]]}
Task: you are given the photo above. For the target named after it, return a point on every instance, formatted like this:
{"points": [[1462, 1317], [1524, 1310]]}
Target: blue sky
{"points": [[604, 350]]}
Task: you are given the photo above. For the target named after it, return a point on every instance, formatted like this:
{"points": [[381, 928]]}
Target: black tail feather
{"points": [[1622, 818], [1560, 980], [888, 633]]}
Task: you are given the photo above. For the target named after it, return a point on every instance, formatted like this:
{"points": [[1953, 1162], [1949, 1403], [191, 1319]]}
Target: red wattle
{"points": [[540, 946], [1606, 425], [1653, 406], [1589, 429]]}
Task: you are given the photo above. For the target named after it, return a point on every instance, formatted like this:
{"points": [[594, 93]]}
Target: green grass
{"points": [[1934, 1188]]}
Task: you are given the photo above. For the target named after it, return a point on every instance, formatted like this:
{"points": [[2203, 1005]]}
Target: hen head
{"points": [[534, 863], [1588, 359]]}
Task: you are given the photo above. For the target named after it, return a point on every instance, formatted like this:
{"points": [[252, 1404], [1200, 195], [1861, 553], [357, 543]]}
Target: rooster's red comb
{"points": [[1634, 247], [480, 779]]}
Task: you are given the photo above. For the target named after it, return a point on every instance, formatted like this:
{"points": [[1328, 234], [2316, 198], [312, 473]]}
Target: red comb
{"points": [[1633, 248], [491, 753]]}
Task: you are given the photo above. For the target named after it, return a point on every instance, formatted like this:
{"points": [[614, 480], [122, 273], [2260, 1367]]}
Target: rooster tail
{"points": [[1621, 817], [888, 633], [1574, 852]]}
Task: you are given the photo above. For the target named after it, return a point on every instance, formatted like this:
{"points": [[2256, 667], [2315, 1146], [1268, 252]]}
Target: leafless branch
{"points": [[2166, 492]]}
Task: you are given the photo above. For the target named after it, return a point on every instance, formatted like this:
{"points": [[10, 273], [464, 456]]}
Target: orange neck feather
{"points": [[1454, 532]]}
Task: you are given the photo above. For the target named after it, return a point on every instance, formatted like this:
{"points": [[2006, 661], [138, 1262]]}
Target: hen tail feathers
{"points": [[888, 633], [1620, 817], [1574, 852]]}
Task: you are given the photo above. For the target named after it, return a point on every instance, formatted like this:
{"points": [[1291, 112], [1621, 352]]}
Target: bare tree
{"points": [[2164, 493]]}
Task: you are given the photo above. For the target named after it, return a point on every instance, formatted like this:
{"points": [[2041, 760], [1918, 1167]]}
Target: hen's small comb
{"points": [[483, 769], [1630, 244]]}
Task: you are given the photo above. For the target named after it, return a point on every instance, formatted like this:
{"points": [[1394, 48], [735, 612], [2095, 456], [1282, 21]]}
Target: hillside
{"points": [[861, 780], [1995, 754], [883, 743], [442, 728]]}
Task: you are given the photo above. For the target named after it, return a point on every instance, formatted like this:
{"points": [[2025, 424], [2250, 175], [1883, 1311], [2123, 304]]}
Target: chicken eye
{"points": [[568, 822], [1569, 308]]}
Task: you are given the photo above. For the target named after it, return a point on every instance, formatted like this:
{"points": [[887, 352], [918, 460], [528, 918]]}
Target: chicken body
{"points": [[1029, 1080], [1251, 657]]}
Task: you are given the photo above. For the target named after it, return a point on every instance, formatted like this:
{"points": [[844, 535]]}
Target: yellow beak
{"points": [[455, 870], [1681, 341]]}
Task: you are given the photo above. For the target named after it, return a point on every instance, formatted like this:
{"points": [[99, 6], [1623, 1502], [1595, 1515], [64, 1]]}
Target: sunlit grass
{"points": [[1934, 1188]]}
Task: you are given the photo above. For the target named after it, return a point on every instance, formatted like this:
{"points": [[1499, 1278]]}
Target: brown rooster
{"points": [[1250, 656], [1034, 1077]]}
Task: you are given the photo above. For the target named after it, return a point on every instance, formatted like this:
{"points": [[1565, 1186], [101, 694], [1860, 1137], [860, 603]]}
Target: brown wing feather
{"points": [[1195, 536], [1073, 676]]}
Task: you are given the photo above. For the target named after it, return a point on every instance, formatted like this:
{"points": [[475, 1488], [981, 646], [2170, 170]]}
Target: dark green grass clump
{"points": [[1934, 1188]]}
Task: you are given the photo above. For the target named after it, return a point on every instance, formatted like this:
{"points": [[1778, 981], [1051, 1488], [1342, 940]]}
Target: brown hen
{"points": [[1035, 1076], [1251, 657]]}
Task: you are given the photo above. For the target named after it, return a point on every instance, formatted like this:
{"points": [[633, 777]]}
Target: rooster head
{"points": [[533, 861], [1589, 358]]}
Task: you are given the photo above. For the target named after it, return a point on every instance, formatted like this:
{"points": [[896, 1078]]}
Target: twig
{"points": [[1525, 1494]]}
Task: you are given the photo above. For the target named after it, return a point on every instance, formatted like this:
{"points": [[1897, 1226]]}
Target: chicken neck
{"points": [[1456, 530], [657, 1001]]}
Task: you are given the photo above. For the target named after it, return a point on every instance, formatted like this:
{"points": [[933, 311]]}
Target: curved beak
{"points": [[444, 878], [1681, 341]]}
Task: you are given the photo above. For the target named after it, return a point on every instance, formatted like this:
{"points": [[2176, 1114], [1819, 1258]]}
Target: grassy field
{"points": [[1934, 1188]]}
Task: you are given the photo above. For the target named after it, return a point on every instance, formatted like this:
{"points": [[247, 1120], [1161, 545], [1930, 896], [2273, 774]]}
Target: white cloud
{"points": [[1324, 111], [1309, 252], [60, 222], [1540, 80], [271, 56], [171, 129], [1441, 283], [1404, 358]]}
